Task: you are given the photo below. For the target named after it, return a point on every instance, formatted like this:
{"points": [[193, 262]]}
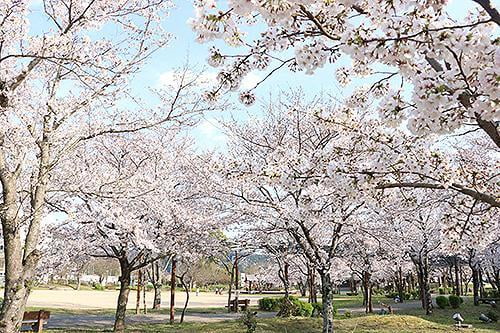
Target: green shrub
{"points": [[442, 302], [269, 304], [347, 314], [352, 294], [287, 307], [415, 294], [301, 308], [492, 315], [98, 286], [493, 293], [317, 309], [455, 301]]}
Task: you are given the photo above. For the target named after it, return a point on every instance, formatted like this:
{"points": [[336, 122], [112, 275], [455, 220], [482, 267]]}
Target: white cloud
{"points": [[250, 81], [209, 135], [168, 78], [206, 80]]}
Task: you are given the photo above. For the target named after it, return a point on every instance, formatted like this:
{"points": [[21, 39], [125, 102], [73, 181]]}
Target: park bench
{"points": [[33, 321], [242, 303]]}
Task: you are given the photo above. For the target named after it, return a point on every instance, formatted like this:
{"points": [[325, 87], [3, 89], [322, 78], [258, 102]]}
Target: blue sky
{"points": [[183, 45]]}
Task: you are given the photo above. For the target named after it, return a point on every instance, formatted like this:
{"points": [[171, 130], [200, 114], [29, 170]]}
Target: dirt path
{"points": [[106, 321]]}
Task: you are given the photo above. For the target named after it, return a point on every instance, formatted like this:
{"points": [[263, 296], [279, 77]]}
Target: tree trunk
{"points": [[231, 281], [475, 284], [156, 281], [172, 292], [310, 284], [138, 296], [121, 307], [457, 277], [422, 267], [400, 284], [327, 297], [17, 279], [19, 265], [367, 289], [186, 290], [481, 283], [144, 303], [157, 296], [283, 275], [461, 280]]}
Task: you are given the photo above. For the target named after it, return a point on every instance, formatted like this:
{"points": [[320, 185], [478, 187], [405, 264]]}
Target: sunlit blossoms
{"points": [[451, 66]]}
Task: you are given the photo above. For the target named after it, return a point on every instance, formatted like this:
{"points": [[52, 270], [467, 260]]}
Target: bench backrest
{"points": [[35, 315]]}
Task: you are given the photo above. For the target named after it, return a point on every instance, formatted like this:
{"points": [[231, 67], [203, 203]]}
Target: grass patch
{"points": [[362, 324], [468, 311]]}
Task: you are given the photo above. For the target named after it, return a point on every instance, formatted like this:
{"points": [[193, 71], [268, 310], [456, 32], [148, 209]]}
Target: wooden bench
{"points": [[33, 321], [242, 303]]}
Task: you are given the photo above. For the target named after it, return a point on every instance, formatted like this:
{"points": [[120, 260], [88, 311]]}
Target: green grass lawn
{"points": [[372, 323], [468, 311]]}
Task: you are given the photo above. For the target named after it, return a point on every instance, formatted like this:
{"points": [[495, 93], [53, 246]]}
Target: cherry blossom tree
{"points": [[423, 68], [61, 86], [140, 209], [450, 66], [416, 221], [286, 173], [366, 257]]}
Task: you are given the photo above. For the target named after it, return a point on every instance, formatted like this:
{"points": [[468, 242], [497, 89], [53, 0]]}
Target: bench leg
{"points": [[39, 325]]}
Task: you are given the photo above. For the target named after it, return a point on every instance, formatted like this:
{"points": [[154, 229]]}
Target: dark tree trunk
{"points": [[236, 282], [144, 303], [496, 277], [481, 283], [156, 282], [231, 281], [121, 307], [422, 266], [475, 284], [138, 295], [303, 289], [457, 277], [367, 290], [327, 297], [461, 280], [311, 284], [186, 290], [172, 291], [400, 284], [286, 281], [283, 275]]}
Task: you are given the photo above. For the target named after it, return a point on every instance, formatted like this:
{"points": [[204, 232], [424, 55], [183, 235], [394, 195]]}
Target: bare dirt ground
{"points": [[93, 299]]}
